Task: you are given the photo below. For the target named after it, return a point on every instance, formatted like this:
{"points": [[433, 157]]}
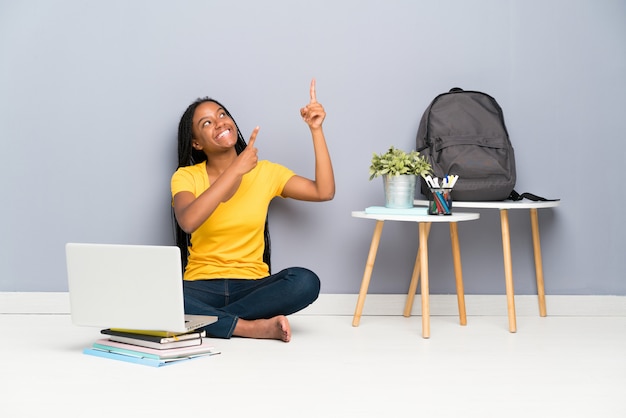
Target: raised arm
{"points": [[322, 188]]}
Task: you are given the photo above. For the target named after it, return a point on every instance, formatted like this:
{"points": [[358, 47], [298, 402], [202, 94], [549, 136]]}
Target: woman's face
{"points": [[213, 130]]}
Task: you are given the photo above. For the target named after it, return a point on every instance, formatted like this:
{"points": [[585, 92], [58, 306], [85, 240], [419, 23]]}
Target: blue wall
{"points": [[91, 93]]}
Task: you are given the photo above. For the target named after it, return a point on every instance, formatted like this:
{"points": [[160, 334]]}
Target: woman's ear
{"points": [[196, 145]]}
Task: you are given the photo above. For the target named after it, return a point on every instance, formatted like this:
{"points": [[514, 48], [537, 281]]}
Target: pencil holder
{"points": [[440, 201]]}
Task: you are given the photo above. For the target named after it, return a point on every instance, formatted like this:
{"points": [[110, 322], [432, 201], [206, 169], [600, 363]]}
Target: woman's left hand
{"points": [[313, 113]]}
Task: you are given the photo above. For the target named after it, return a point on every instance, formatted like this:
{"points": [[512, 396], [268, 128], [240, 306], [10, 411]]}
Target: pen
{"points": [[444, 205]]}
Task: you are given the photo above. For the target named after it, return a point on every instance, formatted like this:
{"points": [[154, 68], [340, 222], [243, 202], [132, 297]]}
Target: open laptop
{"points": [[135, 287]]}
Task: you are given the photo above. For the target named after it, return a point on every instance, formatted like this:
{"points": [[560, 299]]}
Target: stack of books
{"points": [[151, 348]]}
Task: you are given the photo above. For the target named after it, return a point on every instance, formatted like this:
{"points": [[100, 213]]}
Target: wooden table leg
{"points": [[508, 269], [408, 306], [423, 252], [458, 271], [367, 275], [541, 293]]}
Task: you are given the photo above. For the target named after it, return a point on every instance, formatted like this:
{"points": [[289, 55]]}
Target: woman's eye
{"points": [[206, 123]]}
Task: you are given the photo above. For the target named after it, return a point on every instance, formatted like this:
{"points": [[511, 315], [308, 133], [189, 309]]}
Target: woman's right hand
{"points": [[248, 158]]}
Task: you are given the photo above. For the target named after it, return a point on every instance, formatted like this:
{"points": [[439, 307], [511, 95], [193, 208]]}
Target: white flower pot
{"points": [[399, 191]]}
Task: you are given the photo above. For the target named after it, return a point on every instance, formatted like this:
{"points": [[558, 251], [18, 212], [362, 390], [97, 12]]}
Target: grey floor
{"points": [[552, 367]]}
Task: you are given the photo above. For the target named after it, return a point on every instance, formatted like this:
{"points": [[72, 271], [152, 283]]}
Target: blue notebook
{"points": [[381, 210], [133, 359]]}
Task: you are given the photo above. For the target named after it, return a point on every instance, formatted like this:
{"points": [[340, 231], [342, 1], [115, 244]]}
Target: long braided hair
{"points": [[187, 156]]}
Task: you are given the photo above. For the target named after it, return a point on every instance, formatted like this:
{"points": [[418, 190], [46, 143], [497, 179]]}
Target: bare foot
{"points": [[276, 328]]}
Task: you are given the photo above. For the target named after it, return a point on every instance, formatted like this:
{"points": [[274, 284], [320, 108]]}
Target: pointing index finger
{"points": [[313, 98], [253, 136]]}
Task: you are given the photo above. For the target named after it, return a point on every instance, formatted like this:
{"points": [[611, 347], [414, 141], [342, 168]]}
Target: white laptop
{"points": [[136, 287]]}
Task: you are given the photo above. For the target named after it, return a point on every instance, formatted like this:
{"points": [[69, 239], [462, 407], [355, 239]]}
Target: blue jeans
{"points": [[283, 293]]}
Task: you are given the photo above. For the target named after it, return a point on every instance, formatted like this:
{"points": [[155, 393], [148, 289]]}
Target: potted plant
{"points": [[399, 170]]}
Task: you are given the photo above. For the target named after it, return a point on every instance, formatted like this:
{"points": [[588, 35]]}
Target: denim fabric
{"points": [[283, 293]]}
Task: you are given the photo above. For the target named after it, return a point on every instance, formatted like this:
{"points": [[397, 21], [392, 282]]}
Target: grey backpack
{"points": [[463, 133]]}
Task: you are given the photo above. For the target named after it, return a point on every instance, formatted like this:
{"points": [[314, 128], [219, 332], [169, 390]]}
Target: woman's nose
{"points": [[219, 122]]}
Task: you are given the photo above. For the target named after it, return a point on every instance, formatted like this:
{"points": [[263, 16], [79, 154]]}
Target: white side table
{"points": [[504, 207], [421, 261]]}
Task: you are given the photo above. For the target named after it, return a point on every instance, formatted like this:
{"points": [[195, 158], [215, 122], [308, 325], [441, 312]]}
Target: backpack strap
{"points": [[516, 196]]}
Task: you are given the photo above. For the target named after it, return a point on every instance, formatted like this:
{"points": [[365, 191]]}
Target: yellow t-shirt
{"points": [[230, 243]]}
